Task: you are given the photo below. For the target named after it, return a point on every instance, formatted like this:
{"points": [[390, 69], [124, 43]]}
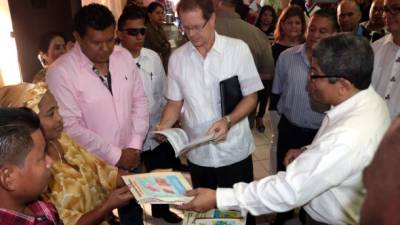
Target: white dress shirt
{"points": [[154, 81], [327, 177], [386, 76], [195, 80]]}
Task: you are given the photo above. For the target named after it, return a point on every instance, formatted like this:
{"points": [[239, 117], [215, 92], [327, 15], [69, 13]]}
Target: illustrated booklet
{"points": [[159, 187]]}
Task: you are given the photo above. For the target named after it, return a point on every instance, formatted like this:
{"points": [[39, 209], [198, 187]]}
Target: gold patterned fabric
{"points": [[40, 76], [79, 183]]}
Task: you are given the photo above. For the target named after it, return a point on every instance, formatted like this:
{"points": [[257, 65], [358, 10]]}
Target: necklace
{"points": [[55, 146]]}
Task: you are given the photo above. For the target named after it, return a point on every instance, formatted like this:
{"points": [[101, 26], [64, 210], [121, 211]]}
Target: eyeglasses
{"points": [[196, 29], [135, 31], [392, 10], [314, 76]]}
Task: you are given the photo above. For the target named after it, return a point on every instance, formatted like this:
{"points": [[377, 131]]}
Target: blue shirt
{"points": [[290, 82]]}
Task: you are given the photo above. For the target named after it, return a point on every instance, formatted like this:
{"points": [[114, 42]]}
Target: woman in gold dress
{"points": [[83, 188]]}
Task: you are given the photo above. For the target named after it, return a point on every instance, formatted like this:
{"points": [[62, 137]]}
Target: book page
{"points": [[158, 187], [180, 140]]}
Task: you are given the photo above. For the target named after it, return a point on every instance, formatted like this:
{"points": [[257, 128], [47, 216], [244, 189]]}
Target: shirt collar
{"points": [[39, 209], [389, 40], [302, 52], [339, 111], [217, 46]]}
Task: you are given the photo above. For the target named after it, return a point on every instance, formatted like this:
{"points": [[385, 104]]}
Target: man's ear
{"points": [[345, 86], [77, 36], [8, 176]]}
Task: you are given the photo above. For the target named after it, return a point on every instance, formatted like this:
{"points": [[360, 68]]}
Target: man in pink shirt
{"points": [[99, 91]]}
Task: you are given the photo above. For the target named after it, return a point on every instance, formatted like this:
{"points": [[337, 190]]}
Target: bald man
{"points": [[349, 16]]}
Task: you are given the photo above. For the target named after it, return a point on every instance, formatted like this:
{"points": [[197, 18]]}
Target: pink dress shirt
{"points": [[102, 122]]}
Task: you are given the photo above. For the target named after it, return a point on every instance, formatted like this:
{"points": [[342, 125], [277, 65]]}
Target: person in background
{"points": [[374, 28], [24, 171], [82, 187], [386, 75], [349, 16], [156, 39], [132, 33], [51, 46], [266, 20], [289, 30]]}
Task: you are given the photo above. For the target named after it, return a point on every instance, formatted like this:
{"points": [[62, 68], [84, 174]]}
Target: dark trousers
{"points": [[131, 214], [161, 157], [290, 136], [225, 176], [263, 96]]}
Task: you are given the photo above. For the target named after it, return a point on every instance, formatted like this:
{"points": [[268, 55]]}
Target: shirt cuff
{"points": [[136, 142], [226, 199], [114, 155]]}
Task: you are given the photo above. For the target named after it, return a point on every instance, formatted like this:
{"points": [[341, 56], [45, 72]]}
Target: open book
{"points": [[214, 217], [159, 187], [180, 140]]}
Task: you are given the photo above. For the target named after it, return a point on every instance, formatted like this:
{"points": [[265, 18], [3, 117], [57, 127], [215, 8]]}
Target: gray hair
{"points": [[346, 55]]}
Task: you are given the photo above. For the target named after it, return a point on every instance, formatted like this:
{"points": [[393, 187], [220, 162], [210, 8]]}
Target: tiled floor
{"points": [[261, 164]]}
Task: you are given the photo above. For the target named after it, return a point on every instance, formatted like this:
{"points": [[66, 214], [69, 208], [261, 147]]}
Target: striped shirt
{"points": [[290, 82]]}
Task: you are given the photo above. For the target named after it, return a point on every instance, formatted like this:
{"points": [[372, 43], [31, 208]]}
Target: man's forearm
{"points": [[244, 108], [170, 114]]}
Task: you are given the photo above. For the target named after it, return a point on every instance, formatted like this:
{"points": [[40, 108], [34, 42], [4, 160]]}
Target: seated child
{"points": [[24, 170]]}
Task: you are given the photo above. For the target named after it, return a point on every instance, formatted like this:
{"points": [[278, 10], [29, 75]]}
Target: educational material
{"points": [[159, 187], [179, 140], [214, 217]]}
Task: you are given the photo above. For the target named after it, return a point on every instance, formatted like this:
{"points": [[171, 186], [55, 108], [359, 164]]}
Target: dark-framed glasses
{"points": [[135, 31], [196, 29], [393, 10], [314, 76]]}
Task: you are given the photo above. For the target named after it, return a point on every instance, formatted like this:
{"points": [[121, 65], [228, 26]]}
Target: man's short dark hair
{"points": [[347, 55], [16, 127], [95, 16], [131, 12], [206, 7], [330, 14]]}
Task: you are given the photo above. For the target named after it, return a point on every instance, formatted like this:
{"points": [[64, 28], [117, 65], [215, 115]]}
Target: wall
{"points": [[31, 19]]}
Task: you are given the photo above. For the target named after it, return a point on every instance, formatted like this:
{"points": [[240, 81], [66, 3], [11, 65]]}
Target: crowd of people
{"points": [[329, 69]]}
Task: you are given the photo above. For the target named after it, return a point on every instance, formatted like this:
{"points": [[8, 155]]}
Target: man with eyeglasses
{"points": [[324, 177], [132, 33], [386, 77], [101, 97], [300, 117], [195, 71]]}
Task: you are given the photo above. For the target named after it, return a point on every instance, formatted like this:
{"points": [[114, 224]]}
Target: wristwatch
{"points": [[228, 120]]}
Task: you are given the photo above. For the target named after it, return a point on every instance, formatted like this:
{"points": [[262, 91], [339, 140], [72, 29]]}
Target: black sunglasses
{"points": [[135, 31]]}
